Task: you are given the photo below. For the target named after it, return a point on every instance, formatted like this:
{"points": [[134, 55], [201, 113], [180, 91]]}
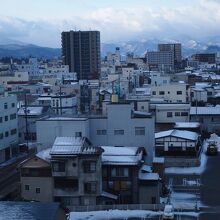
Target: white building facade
{"points": [[8, 127]]}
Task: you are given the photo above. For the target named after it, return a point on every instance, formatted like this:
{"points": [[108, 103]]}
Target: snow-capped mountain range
{"points": [[13, 48]]}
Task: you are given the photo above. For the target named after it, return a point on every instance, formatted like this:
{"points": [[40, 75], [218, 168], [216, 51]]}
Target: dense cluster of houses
{"points": [[104, 141]]}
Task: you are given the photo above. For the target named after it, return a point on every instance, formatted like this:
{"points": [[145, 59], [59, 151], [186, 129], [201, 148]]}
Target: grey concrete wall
{"points": [[44, 183]]}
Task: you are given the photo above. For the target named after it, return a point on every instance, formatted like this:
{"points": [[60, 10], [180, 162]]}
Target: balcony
{"points": [[58, 173], [66, 192]]}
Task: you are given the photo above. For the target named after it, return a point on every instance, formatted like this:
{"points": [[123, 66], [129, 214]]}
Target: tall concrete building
{"points": [[160, 60], [8, 126], [176, 48], [81, 51]]}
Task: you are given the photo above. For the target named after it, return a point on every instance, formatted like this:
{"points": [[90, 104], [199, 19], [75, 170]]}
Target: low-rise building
{"points": [[120, 126], [36, 178], [177, 143], [76, 171], [126, 176], [168, 114], [209, 117]]}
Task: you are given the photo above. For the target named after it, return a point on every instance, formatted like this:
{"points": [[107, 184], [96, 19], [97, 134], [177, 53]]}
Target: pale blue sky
{"points": [[41, 21]]}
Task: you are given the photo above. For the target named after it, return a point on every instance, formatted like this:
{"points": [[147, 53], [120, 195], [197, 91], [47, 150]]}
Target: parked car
{"points": [[168, 212]]}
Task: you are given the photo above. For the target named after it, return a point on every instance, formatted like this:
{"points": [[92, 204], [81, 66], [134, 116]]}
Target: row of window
{"points": [[12, 132], [6, 105], [27, 188], [117, 185], [138, 131], [88, 166], [177, 114], [116, 172], [163, 92], [12, 117]]}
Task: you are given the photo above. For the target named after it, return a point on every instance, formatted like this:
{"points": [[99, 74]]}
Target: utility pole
{"points": [[61, 112], [26, 119]]}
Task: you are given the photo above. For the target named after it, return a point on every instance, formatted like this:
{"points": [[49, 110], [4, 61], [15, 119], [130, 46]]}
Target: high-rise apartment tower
{"points": [[81, 51]]}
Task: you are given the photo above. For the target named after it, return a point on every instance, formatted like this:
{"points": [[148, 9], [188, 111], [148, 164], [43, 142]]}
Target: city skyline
{"points": [[117, 21]]}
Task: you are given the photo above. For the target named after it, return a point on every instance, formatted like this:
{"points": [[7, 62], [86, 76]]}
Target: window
{"points": [[5, 105], [119, 132], [1, 136], [154, 93], [179, 93], [26, 187], [90, 187], [6, 118], [13, 116], [161, 93], [6, 134], [78, 134], [169, 114], [1, 120], [13, 131], [89, 166], [58, 166], [37, 190], [120, 172], [184, 114], [101, 132], [139, 130], [13, 105], [104, 172], [177, 114]]}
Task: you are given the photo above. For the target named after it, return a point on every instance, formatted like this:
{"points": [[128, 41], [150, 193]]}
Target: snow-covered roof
{"points": [[173, 106], [44, 154], [217, 95], [109, 195], [121, 155], [44, 98], [72, 146], [148, 176], [189, 135], [142, 114], [158, 160], [66, 119], [205, 111], [28, 210], [31, 110], [146, 168], [187, 125]]}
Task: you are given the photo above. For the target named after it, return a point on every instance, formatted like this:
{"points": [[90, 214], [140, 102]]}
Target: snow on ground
{"points": [[193, 214], [190, 170], [186, 201], [111, 214], [123, 214]]}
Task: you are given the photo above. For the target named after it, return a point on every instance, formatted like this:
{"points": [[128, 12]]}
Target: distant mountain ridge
{"points": [[17, 49], [27, 50], [139, 48]]}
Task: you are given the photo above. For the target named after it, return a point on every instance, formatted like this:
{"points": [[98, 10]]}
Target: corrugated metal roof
{"points": [[189, 135], [72, 146], [121, 155]]}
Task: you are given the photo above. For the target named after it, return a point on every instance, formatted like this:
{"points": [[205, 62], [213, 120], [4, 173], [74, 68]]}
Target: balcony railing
{"points": [[66, 191]]}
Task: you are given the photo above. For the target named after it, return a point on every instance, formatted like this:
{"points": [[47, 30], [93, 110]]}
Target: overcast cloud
{"points": [[198, 20]]}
